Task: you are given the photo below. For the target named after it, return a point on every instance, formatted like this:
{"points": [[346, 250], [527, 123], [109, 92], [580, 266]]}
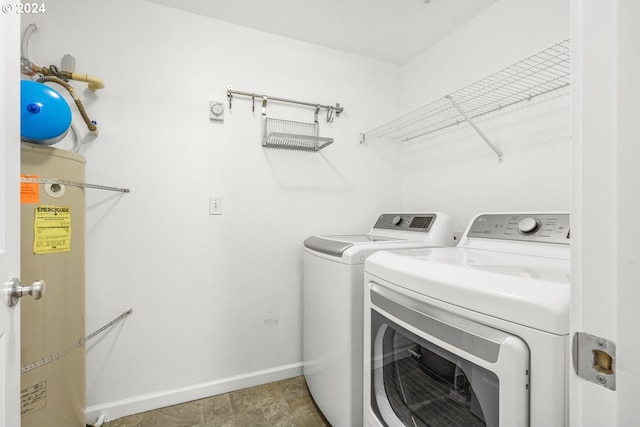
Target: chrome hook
{"points": [[330, 111], [264, 107], [315, 116], [229, 97]]}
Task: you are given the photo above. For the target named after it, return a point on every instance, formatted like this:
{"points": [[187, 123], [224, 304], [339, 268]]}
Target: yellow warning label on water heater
{"points": [[51, 229]]}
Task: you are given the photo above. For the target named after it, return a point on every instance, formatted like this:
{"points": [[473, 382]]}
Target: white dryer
{"points": [[333, 300], [475, 335]]}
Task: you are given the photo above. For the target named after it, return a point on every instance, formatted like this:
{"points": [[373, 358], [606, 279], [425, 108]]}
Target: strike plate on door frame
{"points": [[594, 359]]}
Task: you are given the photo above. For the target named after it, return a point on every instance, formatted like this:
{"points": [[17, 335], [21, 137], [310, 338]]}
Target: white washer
{"points": [[475, 335], [333, 300]]}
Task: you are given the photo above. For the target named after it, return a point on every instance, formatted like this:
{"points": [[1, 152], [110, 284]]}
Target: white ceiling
{"points": [[393, 31]]}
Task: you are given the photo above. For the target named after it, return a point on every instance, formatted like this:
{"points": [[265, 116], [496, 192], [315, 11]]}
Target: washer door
{"points": [[432, 368]]}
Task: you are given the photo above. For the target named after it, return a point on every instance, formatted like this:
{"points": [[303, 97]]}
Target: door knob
{"points": [[15, 290]]}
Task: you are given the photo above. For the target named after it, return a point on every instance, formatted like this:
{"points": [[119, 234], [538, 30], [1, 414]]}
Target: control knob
{"points": [[528, 225], [396, 220]]}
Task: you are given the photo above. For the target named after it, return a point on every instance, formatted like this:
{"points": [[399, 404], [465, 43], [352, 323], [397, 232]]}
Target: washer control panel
{"points": [[406, 222], [543, 228]]}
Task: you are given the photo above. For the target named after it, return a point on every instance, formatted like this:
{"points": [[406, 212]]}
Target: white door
{"points": [[9, 216], [606, 198]]}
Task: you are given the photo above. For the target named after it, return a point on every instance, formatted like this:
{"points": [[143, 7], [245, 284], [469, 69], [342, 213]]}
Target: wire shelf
{"points": [[290, 135], [544, 72]]}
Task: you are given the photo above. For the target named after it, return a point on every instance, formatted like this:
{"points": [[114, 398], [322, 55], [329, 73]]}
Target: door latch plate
{"points": [[594, 359]]}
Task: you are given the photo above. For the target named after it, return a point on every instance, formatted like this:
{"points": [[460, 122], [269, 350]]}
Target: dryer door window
{"points": [[420, 384], [418, 380]]}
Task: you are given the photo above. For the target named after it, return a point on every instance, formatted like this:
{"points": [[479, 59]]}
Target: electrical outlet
{"points": [[215, 205]]}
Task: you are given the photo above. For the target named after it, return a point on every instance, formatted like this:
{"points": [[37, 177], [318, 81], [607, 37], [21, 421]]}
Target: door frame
{"points": [[605, 202]]}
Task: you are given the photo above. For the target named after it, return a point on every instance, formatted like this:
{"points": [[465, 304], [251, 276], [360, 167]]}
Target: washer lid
{"points": [[337, 245], [529, 290]]}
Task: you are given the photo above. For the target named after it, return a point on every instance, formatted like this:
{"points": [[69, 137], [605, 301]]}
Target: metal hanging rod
{"points": [[330, 109], [72, 183]]}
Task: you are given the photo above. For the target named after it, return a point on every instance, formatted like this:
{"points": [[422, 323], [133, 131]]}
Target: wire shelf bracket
{"points": [[476, 128], [539, 74], [72, 183]]}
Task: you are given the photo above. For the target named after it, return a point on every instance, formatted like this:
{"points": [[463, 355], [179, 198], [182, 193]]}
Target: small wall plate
{"points": [[216, 111]]}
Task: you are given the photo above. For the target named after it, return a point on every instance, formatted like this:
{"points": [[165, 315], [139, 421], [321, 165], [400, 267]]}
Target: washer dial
{"points": [[528, 225]]}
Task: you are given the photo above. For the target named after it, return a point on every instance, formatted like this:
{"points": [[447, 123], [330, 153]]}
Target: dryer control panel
{"points": [[542, 228], [406, 222]]}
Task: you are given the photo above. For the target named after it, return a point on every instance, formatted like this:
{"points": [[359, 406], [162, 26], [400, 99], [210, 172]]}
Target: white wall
{"points": [[213, 297], [454, 169]]}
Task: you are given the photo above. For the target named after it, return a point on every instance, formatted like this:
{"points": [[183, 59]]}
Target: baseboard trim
{"points": [[148, 402]]}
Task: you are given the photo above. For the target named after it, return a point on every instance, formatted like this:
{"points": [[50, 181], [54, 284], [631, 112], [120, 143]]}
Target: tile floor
{"points": [[284, 403]]}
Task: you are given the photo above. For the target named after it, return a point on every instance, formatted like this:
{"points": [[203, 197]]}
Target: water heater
{"points": [[53, 249]]}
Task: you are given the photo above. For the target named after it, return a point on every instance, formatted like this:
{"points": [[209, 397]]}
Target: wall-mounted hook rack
{"points": [[331, 109]]}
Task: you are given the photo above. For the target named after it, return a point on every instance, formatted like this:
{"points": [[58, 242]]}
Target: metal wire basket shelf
{"points": [[291, 135], [539, 74]]}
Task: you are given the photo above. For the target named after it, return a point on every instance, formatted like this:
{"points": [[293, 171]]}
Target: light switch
{"points": [[215, 205]]}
